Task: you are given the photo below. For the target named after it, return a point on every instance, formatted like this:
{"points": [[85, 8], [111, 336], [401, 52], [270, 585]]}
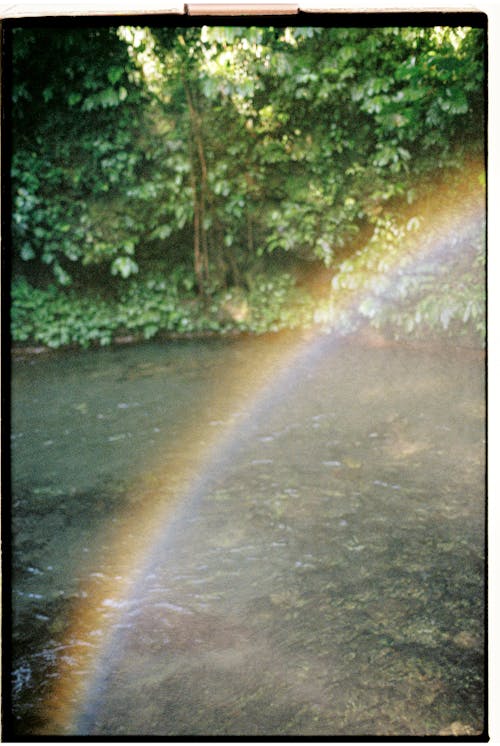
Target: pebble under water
{"points": [[326, 579]]}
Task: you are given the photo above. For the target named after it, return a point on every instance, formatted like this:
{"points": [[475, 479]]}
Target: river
{"points": [[248, 537]]}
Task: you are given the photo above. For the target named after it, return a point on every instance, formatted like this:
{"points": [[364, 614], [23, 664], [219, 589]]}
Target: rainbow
{"points": [[136, 535]]}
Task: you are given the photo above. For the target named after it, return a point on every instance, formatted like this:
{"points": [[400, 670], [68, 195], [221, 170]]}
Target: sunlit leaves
{"points": [[410, 295], [124, 266], [105, 98], [162, 231], [142, 50], [391, 155], [308, 135]]}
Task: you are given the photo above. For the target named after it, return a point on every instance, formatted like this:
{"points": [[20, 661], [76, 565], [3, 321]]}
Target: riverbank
{"points": [[366, 337], [20, 351]]}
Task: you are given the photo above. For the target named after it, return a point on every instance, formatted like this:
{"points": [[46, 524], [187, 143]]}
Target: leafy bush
{"points": [[156, 304], [275, 304], [413, 280], [55, 318]]}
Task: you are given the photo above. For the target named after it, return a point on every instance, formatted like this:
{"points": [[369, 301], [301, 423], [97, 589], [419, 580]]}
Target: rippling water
{"points": [[325, 578]]}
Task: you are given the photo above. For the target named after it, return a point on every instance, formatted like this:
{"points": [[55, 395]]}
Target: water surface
{"points": [[322, 572]]}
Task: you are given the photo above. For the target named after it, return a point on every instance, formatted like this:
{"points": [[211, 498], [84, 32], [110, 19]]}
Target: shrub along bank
{"points": [[147, 308]]}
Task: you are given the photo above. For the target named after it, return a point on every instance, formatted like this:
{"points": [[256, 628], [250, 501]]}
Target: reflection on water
{"points": [[326, 579]]}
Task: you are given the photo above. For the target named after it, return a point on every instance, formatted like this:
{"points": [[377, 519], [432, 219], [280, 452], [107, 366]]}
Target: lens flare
{"points": [[201, 454]]}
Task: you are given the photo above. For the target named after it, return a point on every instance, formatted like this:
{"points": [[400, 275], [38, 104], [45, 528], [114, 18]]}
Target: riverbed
{"points": [[265, 536]]}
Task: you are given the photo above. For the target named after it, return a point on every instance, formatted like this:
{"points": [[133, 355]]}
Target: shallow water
{"points": [[325, 577]]}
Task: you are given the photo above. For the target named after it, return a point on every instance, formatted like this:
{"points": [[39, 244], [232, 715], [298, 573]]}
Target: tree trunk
{"points": [[198, 264], [199, 182], [250, 245]]}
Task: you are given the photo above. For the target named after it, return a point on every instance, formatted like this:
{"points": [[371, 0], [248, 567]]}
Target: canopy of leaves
{"points": [[227, 148]]}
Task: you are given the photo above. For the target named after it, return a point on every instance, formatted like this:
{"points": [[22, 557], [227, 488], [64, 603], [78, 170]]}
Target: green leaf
{"points": [[150, 330], [62, 276], [124, 266], [74, 98], [27, 252], [114, 74], [162, 231]]}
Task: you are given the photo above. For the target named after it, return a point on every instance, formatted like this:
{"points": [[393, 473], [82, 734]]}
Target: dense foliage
{"points": [[143, 309], [179, 179]]}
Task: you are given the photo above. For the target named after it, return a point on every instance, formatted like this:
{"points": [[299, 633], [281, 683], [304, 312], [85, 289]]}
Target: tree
{"points": [[80, 151], [141, 150]]}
